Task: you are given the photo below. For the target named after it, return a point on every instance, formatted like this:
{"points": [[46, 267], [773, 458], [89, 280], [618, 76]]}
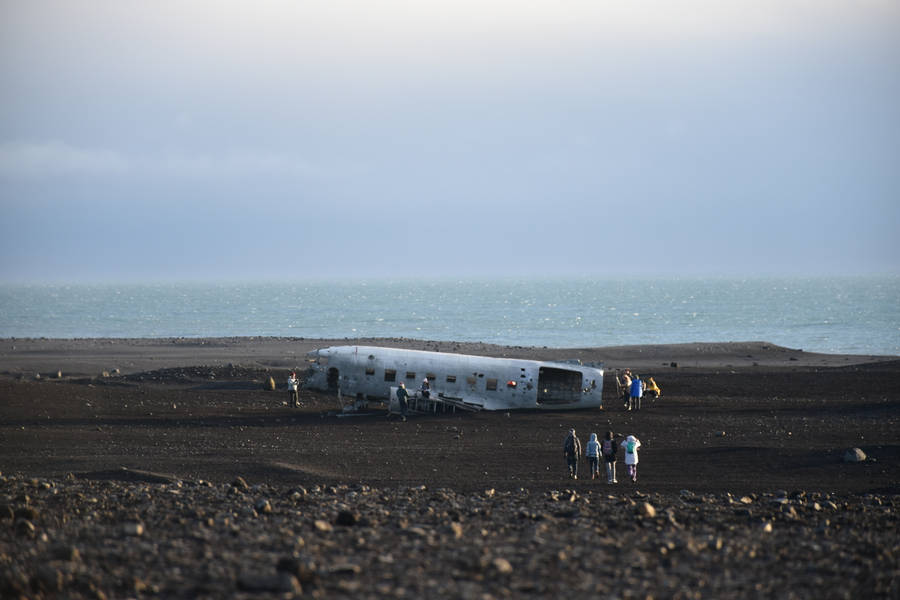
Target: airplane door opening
{"points": [[334, 377], [558, 386]]}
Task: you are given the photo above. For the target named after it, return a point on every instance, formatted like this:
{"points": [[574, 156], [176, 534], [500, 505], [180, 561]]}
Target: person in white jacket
{"points": [[631, 445], [293, 386]]}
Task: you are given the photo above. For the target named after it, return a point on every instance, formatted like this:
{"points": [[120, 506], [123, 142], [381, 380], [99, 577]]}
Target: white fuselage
{"points": [[486, 382]]}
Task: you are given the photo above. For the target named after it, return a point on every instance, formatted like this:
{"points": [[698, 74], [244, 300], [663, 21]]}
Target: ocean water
{"points": [[859, 315]]}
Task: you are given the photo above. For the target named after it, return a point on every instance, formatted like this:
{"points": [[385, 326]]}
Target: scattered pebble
{"points": [[415, 542]]}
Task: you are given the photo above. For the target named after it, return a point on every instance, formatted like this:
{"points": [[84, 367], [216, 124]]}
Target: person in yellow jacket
{"points": [[653, 389]]}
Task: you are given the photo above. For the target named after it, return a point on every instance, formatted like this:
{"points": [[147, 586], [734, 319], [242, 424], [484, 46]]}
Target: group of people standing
{"points": [[602, 450], [403, 396], [633, 389]]}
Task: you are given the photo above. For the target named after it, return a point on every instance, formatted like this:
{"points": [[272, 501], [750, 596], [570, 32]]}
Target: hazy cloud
{"points": [[448, 137], [52, 159], [36, 160]]}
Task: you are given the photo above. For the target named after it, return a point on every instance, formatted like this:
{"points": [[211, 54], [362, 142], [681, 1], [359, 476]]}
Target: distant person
{"points": [[625, 387], [608, 452], [592, 452], [293, 386], [652, 389], [403, 398], [426, 389], [572, 451], [637, 390], [631, 445]]}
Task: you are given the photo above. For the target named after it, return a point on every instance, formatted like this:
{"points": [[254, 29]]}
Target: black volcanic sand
{"points": [[175, 474]]}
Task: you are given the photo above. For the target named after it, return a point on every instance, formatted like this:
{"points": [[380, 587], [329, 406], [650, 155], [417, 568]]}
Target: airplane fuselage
{"points": [[484, 382]]}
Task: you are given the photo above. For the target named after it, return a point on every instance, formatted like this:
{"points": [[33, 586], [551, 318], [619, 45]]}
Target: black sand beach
{"points": [[135, 468]]}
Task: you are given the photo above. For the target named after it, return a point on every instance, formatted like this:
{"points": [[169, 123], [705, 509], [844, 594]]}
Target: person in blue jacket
{"points": [[592, 452], [637, 390]]}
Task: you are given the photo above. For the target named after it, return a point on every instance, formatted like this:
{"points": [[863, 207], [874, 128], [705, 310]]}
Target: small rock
{"points": [[789, 511], [502, 565], [24, 528], [263, 506], [854, 455], [646, 510], [240, 483], [323, 526], [280, 582], [457, 529], [345, 569], [303, 568], [347, 518], [65, 552], [49, 579], [133, 528]]}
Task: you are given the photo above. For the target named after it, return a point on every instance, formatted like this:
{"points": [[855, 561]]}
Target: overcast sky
{"points": [[303, 139]]}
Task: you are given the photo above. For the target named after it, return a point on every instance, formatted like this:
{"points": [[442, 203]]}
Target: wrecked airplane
{"points": [[457, 381]]}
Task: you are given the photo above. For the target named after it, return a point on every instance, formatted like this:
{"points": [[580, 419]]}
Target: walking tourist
{"points": [[572, 451], [631, 445], [608, 451], [592, 452]]}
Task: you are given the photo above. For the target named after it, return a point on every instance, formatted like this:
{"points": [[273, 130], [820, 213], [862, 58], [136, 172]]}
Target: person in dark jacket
{"points": [[608, 454], [403, 398], [572, 450]]}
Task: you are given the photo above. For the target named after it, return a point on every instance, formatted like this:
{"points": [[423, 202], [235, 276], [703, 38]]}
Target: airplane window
{"points": [[431, 376], [370, 371], [390, 375], [491, 384], [471, 380], [451, 378], [410, 375]]}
